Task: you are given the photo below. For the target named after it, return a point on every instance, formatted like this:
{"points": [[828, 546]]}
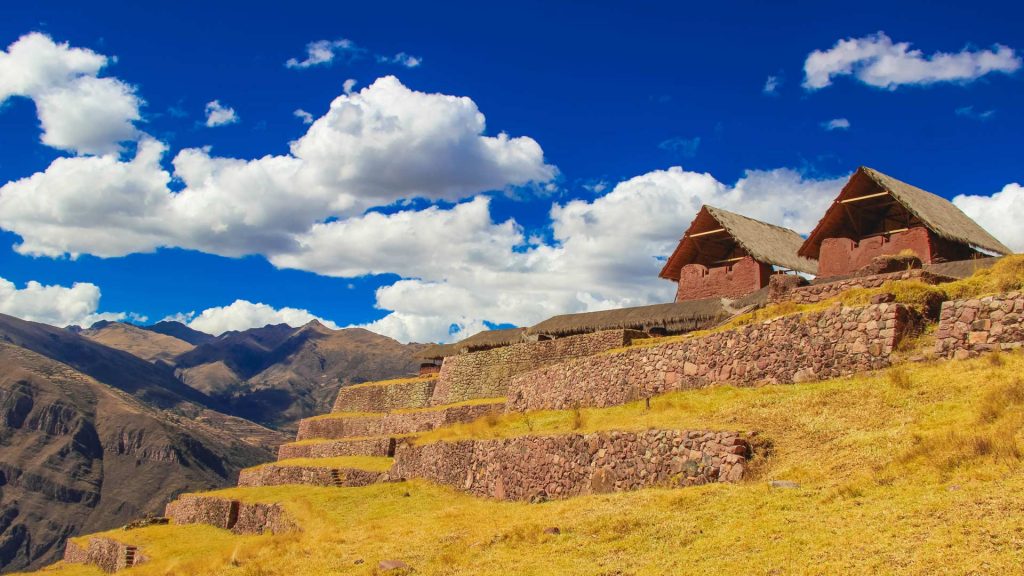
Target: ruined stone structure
{"points": [[836, 342], [366, 446], [276, 475], [386, 395], [537, 468], [725, 255], [340, 425], [239, 517], [107, 554], [485, 374], [878, 215], [970, 327]]}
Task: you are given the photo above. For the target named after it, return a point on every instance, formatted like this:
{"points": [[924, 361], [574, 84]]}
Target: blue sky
{"points": [[424, 224]]}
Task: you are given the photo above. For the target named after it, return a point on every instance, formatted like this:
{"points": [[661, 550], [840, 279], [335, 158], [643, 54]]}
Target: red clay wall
{"points": [[842, 256], [828, 344], [535, 468], [741, 278]]}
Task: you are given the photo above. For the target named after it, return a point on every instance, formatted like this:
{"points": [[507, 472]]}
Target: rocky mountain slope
{"points": [[276, 375], [77, 454], [146, 344]]}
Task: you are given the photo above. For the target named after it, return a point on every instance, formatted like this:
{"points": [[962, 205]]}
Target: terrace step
{"points": [[337, 472], [358, 446], [340, 425], [386, 395], [105, 553]]}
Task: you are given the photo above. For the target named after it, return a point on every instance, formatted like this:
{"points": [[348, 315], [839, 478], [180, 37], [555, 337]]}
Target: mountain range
{"points": [[102, 425]]}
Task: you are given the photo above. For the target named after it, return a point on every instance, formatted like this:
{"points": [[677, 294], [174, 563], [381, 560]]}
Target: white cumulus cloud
{"points": [[243, 314], [54, 304], [402, 59], [218, 114], [323, 52], [78, 111], [374, 147], [1001, 213], [836, 124], [604, 253], [878, 61], [306, 117]]}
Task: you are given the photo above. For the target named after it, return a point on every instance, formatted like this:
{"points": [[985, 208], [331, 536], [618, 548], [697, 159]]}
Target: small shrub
{"points": [[996, 359], [995, 403], [899, 377], [577, 418]]}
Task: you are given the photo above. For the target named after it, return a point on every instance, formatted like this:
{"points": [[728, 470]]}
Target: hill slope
{"points": [[915, 470], [154, 385], [180, 331], [277, 375], [146, 344], [77, 455]]}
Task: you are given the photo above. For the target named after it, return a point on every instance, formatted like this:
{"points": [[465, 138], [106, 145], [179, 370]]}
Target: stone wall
{"points": [[835, 342], [239, 517], [107, 554], [384, 397], [485, 374], [785, 288], [340, 427], [382, 446], [394, 423], [536, 468], [738, 279], [969, 327], [274, 475]]}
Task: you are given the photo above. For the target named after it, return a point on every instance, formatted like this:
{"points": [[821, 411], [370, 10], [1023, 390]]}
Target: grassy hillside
{"points": [[915, 470]]}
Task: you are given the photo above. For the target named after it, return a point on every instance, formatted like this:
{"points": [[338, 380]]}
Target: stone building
{"points": [[725, 255], [878, 215]]}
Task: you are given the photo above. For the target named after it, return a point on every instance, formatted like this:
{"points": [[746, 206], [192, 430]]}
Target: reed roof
{"points": [[934, 212]]}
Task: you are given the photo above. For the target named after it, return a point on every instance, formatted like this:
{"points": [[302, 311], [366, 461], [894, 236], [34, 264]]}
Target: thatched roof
{"points": [[764, 242], [934, 212], [479, 341], [678, 317]]}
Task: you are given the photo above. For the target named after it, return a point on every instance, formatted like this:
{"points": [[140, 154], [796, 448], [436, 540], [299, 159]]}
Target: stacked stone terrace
{"points": [[367, 437]]}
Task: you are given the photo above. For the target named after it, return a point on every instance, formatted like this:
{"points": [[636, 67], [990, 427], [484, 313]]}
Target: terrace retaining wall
{"points": [[384, 397], [107, 554], [274, 475], [328, 449], [393, 423], [835, 342], [537, 468], [485, 374], [239, 517], [785, 288], [972, 326]]}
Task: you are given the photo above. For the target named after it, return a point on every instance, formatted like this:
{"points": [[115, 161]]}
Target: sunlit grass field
{"points": [[912, 470]]}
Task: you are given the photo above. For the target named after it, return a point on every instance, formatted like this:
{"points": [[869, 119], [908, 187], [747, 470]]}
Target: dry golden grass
{"points": [[914, 470]]}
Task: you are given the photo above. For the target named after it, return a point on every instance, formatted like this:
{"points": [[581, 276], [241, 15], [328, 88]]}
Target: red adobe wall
{"points": [[841, 256], [741, 278]]}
